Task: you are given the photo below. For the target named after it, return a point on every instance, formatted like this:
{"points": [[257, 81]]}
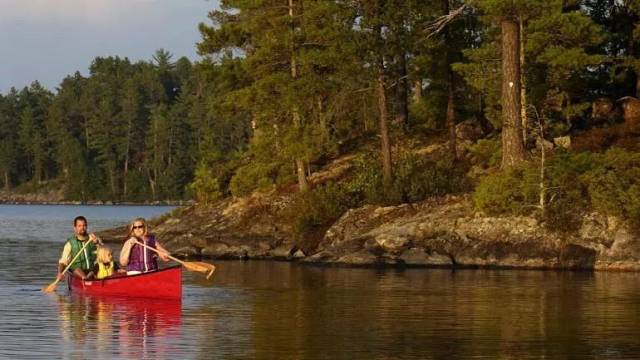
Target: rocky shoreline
{"points": [[444, 232]]}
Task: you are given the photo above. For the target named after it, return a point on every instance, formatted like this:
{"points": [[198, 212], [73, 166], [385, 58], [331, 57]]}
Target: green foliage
{"points": [[205, 185], [487, 152], [574, 184], [507, 192], [614, 187], [260, 176], [128, 131], [320, 207], [263, 167], [566, 189], [416, 178]]}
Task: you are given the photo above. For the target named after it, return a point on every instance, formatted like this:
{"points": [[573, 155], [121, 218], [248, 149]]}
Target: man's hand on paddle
{"points": [[95, 239]]}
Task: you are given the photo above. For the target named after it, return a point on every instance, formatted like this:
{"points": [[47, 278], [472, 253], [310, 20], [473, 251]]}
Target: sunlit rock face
{"points": [[445, 232], [449, 233]]}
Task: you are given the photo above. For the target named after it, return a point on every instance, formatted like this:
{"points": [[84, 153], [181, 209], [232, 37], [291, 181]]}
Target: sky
{"points": [[46, 40]]}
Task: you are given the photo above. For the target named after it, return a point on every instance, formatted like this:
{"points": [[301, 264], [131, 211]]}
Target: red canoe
{"points": [[163, 284]]}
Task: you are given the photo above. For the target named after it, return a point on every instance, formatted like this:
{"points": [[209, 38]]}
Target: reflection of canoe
{"points": [[132, 328], [163, 284]]}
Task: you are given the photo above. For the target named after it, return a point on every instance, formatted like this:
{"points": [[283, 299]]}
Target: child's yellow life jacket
{"points": [[105, 270]]}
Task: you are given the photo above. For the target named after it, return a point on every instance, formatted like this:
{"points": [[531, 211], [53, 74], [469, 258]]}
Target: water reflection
{"points": [[309, 312], [129, 327], [276, 310]]}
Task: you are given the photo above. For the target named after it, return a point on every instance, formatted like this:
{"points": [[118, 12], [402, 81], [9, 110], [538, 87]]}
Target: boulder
{"points": [[186, 251], [631, 110], [563, 141], [540, 143], [602, 108], [281, 252], [574, 256], [224, 251], [420, 257], [469, 130], [361, 257], [217, 250]]}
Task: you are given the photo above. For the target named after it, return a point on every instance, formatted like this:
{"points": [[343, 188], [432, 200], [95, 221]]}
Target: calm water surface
{"points": [[275, 310]]}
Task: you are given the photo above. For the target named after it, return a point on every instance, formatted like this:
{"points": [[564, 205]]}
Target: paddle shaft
{"points": [[71, 262], [161, 253], [189, 265]]}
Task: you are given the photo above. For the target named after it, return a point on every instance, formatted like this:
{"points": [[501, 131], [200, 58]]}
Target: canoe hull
{"points": [[161, 284]]}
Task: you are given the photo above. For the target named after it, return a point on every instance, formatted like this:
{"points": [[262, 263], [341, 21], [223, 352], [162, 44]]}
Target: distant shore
{"points": [[148, 203], [56, 198]]}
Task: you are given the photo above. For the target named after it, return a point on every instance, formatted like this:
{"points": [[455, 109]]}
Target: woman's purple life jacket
{"points": [[142, 259]]}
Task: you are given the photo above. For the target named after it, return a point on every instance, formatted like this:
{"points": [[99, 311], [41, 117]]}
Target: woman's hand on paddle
{"points": [[163, 256], [60, 276]]}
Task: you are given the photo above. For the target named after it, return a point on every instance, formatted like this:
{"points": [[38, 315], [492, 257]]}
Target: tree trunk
{"points": [[402, 92], [303, 184], [542, 195], [112, 181], [155, 155], [7, 180], [451, 120], [152, 185], [417, 90], [384, 131], [126, 160], [322, 118], [523, 87], [512, 146], [86, 132], [631, 52]]}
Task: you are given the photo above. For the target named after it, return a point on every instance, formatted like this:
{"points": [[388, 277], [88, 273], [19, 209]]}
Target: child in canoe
{"points": [[105, 266]]}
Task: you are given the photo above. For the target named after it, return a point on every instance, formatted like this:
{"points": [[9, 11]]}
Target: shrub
{"points": [[574, 183], [487, 152], [320, 206], [418, 178], [415, 179], [507, 192], [312, 212], [566, 194], [205, 185], [614, 186]]}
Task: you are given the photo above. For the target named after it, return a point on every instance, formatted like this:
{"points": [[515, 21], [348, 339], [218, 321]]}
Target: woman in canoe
{"points": [[137, 254]]}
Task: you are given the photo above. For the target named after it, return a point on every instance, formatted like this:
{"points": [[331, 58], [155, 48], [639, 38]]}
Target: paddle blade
{"points": [[50, 288], [199, 266]]}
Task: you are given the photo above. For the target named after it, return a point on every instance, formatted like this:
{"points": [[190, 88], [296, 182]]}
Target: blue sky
{"points": [[46, 40]]}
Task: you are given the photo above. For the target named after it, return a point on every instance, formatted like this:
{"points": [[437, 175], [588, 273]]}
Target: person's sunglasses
{"points": [[138, 227]]}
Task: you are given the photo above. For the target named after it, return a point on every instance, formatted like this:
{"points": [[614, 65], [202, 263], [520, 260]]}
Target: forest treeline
{"points": [[285, 85], [127, 131]]}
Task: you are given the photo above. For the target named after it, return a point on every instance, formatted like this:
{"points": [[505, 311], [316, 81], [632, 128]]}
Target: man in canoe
{"points": [[83, 243], [140, 251]]}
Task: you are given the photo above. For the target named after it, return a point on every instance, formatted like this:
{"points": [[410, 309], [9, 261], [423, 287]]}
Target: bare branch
{"points": [[440, 23]]}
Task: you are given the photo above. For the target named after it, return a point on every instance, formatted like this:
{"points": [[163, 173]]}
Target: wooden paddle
{"points": [[52, 287], [197, 266]]}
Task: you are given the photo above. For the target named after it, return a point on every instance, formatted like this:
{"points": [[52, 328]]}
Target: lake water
{"points": [[278, 310]]}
